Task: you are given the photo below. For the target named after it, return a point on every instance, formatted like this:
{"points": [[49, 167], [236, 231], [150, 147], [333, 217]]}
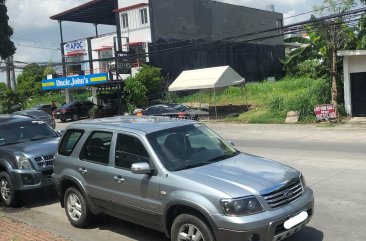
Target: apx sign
{"points": [[74, 46]]}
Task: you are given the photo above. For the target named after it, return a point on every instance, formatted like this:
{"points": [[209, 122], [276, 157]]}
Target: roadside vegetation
{"points": [[270, 101]]}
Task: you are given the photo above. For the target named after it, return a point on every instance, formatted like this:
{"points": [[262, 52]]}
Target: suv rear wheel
{"points": [[7, 193], [190, 228], [76, 209]]}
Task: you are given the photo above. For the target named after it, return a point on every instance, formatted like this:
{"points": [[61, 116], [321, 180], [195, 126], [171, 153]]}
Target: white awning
{"points": [[209, 78]]}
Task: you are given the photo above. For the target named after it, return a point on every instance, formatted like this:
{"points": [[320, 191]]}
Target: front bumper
{"points": [[62, 116], [28, 180], [266, 226]]}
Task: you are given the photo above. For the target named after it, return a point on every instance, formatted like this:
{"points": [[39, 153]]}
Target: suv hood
{"points": [[34, 148], [241, 175]]}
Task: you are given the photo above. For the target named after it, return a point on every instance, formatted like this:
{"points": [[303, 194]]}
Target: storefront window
{"points": [[104, 54], [74, 68]]}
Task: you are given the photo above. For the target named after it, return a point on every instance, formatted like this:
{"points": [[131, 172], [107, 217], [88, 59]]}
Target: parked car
{"points": [[178, 177], [38, 115], [27, 149], [44, 107], [167, 110], [73, 111], [192, 112]]}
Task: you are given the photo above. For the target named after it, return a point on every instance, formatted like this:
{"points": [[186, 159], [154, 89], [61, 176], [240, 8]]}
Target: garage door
{"points": [[358, 93]]}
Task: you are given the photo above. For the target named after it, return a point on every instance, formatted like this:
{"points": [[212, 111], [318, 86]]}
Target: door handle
{"points": [[118, 179], [83, 170]]}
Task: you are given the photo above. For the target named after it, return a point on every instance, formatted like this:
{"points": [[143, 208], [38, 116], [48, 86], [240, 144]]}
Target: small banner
{"points": [[325, 112]]}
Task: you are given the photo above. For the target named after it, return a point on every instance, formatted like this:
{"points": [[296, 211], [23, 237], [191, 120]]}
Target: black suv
{"points": [[27, 149], [73, 110]]}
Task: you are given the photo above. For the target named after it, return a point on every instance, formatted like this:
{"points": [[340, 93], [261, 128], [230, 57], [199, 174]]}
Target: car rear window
{"points": [[69, 140]]}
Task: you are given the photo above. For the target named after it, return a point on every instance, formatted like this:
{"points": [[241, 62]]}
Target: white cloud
{"points": [[25, 14]]}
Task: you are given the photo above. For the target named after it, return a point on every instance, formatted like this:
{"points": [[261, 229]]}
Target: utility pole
{"points": [[13, 81], [7, 70]]}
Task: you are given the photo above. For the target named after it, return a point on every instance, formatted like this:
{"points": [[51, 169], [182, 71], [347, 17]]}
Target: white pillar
{"points": [[95, 95], [347, 86]]}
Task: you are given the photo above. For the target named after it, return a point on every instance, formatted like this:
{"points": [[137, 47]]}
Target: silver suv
{"points": [[178, 177]]}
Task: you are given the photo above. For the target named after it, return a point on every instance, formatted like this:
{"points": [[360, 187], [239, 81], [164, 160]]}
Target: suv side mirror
{"points": [[141, 168]]}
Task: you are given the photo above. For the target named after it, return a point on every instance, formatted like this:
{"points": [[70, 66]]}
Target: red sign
{"points": [[325, 112]]}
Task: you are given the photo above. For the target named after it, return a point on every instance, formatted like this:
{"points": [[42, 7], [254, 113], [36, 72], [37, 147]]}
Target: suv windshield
{"points": [[24, 132], [190, 146]]}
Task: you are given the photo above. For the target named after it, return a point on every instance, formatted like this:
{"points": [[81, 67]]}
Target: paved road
{"points": [[333, 161]]}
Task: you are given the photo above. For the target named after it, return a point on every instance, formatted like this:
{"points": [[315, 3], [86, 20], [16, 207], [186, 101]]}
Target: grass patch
{"points": [[271, 101]]}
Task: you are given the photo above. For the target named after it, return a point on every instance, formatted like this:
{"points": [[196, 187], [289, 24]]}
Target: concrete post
{"points": [[68, 96]]}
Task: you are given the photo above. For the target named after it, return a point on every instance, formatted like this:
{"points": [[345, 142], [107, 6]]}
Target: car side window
{"points": [[97, 147], [151, 111], [69, 140], [129, 150]]}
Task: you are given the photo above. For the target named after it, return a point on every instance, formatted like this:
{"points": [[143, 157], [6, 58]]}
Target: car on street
{"points": [[171, 111], [178, 177], [73, 110], [38, 115], [45, 107], [27, 148]]}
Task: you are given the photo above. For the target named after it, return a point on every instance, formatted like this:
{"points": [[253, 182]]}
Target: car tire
{"points": [[75, 117], [189, 227], [7, 193], [76, 209]]}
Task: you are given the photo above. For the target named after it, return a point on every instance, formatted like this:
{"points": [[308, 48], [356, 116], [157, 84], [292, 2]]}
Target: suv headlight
{"points": [[302, 178], [23, 163], [241, 206]]}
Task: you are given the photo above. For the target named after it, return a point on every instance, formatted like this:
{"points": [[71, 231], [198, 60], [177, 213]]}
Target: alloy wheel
{"points": [[5, 189], [74, 207], [189, 232]]}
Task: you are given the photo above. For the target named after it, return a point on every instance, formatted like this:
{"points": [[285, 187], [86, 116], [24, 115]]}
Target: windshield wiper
{"points": [[223, 157]]}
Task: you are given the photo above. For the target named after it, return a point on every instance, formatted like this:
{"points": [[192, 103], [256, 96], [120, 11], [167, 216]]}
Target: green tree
{"points": [[30, 80], [151, 78], [307, 59], [135, 92], [7, 47], [335, 34], [10, 101], [49, 69]]}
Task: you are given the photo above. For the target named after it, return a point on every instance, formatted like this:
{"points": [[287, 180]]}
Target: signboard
{"points": [[74, 81], [123, 66], [325, 112], [74, 46]]}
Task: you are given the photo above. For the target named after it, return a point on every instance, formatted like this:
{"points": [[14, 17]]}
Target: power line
{"points": [[192, 46], [36, 47]]}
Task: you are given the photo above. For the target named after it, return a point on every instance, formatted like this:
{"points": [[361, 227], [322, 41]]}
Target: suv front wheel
{"points": [[76, 209], [7, 193], [190, 228]]}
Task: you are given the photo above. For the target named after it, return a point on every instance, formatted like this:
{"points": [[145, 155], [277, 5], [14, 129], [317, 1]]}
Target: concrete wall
{"points": [[136, 31], [351, 64], [210, 20], [99, 43]]}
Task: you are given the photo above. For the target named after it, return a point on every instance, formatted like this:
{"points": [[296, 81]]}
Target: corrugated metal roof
{"points": [[96, 12]]}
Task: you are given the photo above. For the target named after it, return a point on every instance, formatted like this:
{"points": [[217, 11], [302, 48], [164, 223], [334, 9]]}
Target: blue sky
{"points": [[32, 26]]}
